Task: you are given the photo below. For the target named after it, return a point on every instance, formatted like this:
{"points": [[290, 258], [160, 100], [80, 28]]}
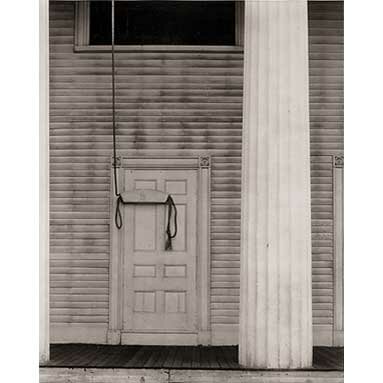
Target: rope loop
{"points": [[171, 207], [117, 215], [172, 212]]}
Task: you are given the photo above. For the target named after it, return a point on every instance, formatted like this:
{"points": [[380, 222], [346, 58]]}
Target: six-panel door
{"points": [[160, 285]]}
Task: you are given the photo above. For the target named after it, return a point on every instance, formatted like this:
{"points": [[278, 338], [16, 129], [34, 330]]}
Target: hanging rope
{"points": [[171, 207], [114, 111], [172, 210]]}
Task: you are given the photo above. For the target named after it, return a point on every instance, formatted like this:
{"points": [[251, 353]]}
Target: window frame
{"points": [[82, 26]]}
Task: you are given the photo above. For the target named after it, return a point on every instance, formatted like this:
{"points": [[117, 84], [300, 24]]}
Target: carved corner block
{"points": [[118, 162], [338, 161], [204, 162]]}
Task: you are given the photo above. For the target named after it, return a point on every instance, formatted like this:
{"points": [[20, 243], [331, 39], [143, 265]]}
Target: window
{"points": [[100, 23], [186, 23]]}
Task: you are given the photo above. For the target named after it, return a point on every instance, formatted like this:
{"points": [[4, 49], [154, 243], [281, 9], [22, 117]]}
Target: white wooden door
{"points": [[160, 286]]}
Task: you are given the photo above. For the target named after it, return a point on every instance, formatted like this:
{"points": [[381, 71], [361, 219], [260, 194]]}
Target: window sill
{"points": [[159, 48]]}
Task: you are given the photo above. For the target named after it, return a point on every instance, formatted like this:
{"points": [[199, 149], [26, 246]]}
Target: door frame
{"points": [[202, 165]]}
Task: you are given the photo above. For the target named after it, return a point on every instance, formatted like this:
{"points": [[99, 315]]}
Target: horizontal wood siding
{"points": [[326, 134], [169, 103], [79, 191], [322, 239], [180, 104], [326, 76]]}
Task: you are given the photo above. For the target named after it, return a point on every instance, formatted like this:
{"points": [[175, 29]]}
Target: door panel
{"points": [[160, 286]]}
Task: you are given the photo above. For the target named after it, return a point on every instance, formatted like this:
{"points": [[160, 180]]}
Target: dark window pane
{"points": [[100, 28], [165, 23]]}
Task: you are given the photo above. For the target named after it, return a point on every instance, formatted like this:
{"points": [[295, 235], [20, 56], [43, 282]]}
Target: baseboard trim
{"points": [[323, 335], [339, 338], [78, 333], [204, 338], [220, 335], [224, 335]]}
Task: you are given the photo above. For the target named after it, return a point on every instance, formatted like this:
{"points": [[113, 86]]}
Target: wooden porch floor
{"points": [[170, 357]]}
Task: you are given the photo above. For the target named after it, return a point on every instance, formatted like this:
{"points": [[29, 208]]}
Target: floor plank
{"points": [[204, 360], [196, 354], [164, 352], [188, 357], [213, 357], [230, 356], [154, 356], [176, 357]]}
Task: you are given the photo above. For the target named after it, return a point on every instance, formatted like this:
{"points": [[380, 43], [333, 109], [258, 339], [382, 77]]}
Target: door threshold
{"points": [[162, 339]]}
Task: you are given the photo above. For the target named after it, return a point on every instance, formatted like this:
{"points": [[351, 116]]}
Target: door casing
{"points": [[202, 335]]}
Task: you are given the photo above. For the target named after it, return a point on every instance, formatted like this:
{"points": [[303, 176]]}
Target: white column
{"points": [[275, 309], [44, 184]]}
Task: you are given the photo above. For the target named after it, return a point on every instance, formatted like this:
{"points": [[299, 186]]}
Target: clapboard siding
{"points": [[326, 76], [79, 239], [326, 136], [170, 102], [177, 103], [322, 239]]}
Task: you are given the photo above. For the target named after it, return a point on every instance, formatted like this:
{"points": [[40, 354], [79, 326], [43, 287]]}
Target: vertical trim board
{"points": [[44, 182], [338, 250], [81, 31]]}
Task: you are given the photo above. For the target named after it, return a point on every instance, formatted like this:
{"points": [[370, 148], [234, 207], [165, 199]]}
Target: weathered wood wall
{"points": [[180, 104], [326, 131]]}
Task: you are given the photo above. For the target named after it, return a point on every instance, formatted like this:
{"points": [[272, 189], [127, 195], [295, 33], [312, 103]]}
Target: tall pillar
{"points": [[275, 301], [44, 185]]}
